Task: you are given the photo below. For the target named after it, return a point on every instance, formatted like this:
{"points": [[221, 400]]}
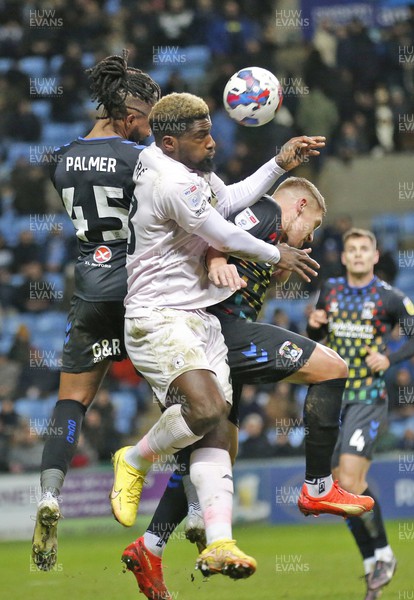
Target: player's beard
{"points": [[206, 165]]}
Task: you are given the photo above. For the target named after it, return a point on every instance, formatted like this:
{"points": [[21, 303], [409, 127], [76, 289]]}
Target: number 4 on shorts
{"points": [[357, 440]]}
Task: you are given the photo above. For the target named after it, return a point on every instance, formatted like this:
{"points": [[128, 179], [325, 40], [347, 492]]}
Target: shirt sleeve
{"points": [[229, 238], [401, 309], [262, 220], [237, 196], [183, 201], [318, 333]]}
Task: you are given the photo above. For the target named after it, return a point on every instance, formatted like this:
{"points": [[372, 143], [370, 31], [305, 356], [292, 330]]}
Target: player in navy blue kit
{"points": [[355, 315], [93, 176], [262, 353]]}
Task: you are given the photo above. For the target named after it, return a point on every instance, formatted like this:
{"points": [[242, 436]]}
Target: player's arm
{"points": [[221, 273], [401, 309], [235, 197], [195, 215], [317, 325]]}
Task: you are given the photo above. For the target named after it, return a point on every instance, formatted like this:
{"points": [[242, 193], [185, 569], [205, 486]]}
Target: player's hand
{"points": [[376, 361], [294, 152], [299, 261], [318, 318], [225, 275]]}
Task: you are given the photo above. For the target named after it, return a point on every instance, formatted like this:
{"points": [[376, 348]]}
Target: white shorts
{"points": [[164, 343]]}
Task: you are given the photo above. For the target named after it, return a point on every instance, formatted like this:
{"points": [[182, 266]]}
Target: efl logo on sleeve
{"points": [[246, 219], [194, 198]]}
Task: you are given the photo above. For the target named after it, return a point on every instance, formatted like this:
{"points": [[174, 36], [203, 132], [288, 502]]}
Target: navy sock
{"points": [[321, 418], [171, 510], [63, 437]]}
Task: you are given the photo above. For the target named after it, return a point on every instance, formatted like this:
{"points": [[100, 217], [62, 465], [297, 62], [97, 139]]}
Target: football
{"points": [[252, 96]]}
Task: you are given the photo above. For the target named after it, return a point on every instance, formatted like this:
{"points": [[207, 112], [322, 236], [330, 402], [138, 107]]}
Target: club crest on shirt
{"points": [[368, 310], [333, 307], [102, 254], [246, 219], [290, 351]]}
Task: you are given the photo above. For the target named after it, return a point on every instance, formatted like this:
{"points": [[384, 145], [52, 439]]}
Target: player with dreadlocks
{"points": [[93, 176]]}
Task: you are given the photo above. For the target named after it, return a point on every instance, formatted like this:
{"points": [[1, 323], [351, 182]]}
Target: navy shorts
{"points": [[261, 353], [94, 332], [361, 425]]}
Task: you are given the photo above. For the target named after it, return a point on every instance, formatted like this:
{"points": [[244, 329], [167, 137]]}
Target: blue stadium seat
{"points": [[160, 75], [5, 64], [18, 150], [192, 75], [33, 66], [125, 410], [58, 134], [37, 411], [197, 55], [41, 109], [58, 281], [404, 282], [386, 227], [16, 279], [406, 226], [55, 64], [7, 229], [52, 322], [88, 59]]}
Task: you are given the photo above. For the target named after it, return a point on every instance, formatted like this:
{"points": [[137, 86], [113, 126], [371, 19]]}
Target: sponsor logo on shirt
{"points": [[246, 219], [102, 254]]}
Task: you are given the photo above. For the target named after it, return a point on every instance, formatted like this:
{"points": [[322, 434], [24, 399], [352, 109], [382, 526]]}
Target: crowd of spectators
{"points": [[347, 81]]}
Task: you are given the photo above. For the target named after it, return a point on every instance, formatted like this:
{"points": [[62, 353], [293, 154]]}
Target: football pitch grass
{"points": [[308, 562]]}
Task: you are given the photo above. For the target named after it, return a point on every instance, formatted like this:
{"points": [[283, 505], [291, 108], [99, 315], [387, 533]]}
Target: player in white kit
{"points": [[172, 341]]}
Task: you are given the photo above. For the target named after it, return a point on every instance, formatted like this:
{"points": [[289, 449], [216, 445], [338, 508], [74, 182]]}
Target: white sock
{"points": [[154, 544], [386, 554], [169, 434], [369, 564], [192, 498], [211, 474], [320, 486]]}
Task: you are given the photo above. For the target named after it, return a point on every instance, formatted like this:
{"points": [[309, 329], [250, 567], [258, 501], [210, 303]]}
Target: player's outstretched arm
{"points": [[237, 196], [229, 238]]}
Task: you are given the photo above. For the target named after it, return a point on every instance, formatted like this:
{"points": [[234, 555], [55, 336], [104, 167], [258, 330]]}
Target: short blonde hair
{"points": [[355, 232], [174, 113], [307, 186]]}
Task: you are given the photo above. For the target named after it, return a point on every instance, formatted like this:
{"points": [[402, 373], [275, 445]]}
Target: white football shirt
{"points": [[165, 262]]}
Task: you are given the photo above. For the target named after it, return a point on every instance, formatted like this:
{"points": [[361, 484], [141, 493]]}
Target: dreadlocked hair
{"points": [[112, 80]]}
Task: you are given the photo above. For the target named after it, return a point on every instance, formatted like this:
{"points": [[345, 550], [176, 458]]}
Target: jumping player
{"points": [[93, 176], [172, 341], [263, 353]]}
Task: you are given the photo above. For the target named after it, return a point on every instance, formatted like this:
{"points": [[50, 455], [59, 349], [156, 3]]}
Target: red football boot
{"points": [[336, 502], [147, 569]]}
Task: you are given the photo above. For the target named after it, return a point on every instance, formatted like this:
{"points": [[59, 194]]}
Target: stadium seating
{"points": [[34, 66]]}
